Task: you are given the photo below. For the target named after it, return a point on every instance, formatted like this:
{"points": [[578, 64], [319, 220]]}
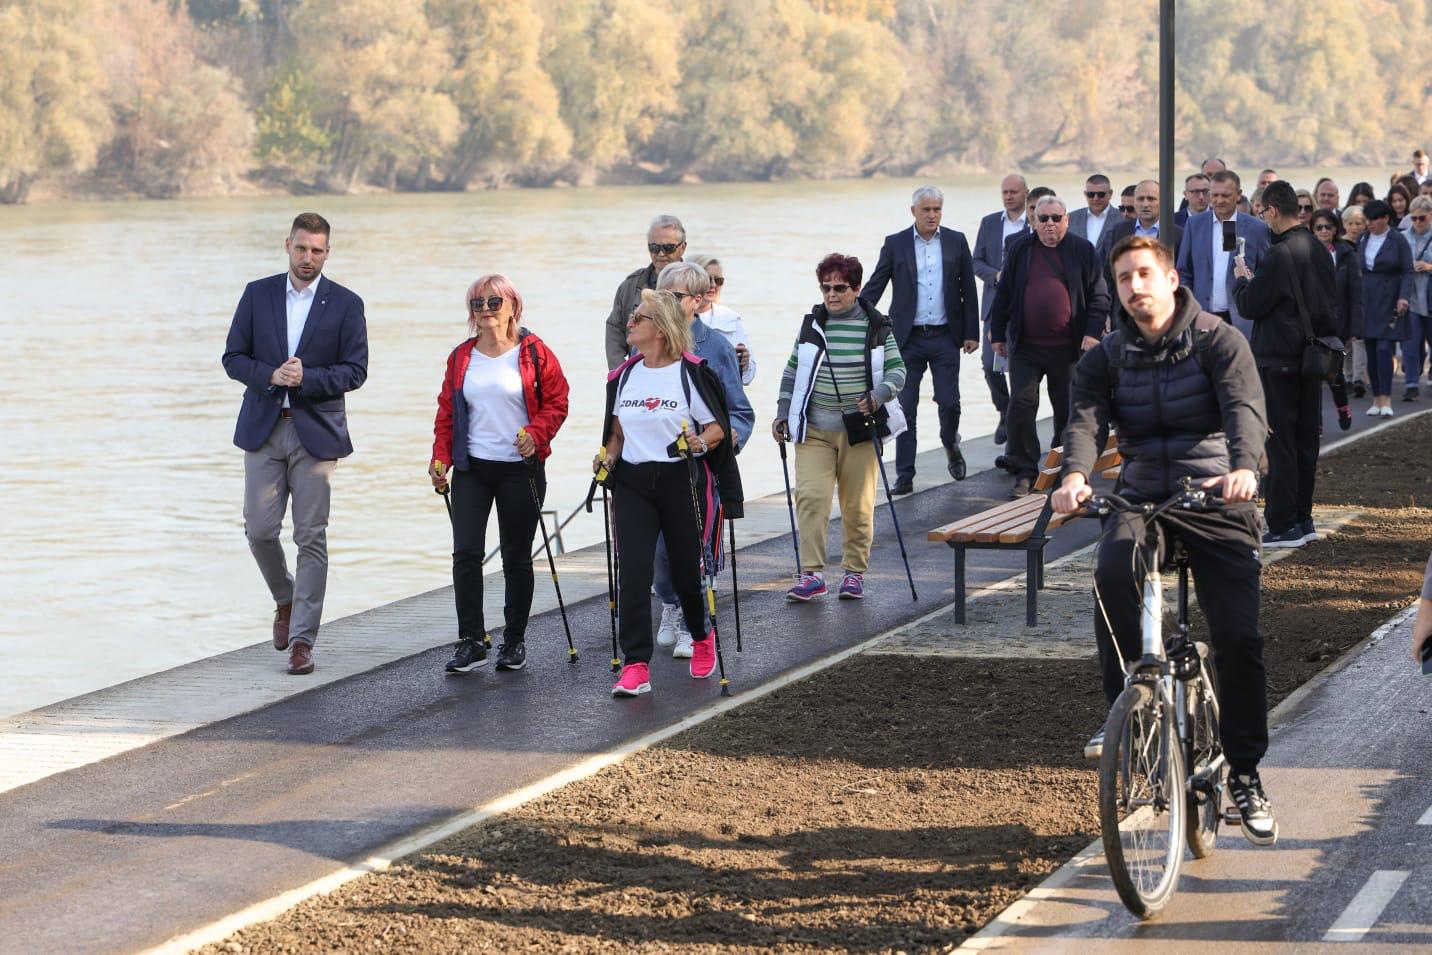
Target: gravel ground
{"points": [[885, 804]]}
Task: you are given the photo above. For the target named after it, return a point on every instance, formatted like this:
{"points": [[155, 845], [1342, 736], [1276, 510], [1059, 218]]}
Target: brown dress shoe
{"points": [[280, 627], [300, 659]]}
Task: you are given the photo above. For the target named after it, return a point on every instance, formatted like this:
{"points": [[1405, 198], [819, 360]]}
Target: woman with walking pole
{"points": [[665, 408], [836, 396], [503, 399]]}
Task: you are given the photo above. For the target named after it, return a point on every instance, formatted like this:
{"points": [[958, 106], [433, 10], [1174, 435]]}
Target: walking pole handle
{"points": [[443, 487]]}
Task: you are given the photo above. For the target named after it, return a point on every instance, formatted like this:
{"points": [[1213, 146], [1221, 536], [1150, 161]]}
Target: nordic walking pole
{"points": [[709, 571], [880, 460], [791, 507], [547, 545], [735, 587], [601, 478], [443, 488]]}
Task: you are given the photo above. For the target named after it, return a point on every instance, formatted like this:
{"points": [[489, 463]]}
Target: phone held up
{"points": [[1230, 236]]}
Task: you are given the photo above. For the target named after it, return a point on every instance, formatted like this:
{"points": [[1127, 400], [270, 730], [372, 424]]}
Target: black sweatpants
{"points": [[1223, 555], [1294, 407], [650, 500], [1028, 365], [474, 492]]}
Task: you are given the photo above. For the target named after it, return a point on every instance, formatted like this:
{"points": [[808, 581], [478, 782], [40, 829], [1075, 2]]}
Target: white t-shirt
{"points": [[1374, 245], [725, 320], [651, 407], [496, 408]]}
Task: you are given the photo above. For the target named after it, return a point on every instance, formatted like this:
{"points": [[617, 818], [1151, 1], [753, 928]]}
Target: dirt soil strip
{"points": [[885, 804]]}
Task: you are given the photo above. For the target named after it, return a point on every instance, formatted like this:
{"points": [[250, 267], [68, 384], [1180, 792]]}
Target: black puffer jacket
{"points": [[1268, 299], [1180, 410]]}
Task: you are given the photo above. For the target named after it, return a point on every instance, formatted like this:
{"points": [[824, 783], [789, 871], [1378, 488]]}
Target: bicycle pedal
{"points": [[1232, 816]]}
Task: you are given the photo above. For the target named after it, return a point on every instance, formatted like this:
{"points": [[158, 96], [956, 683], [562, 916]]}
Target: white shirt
{"points": [[1094, 225], [496, 407], [298, 304], [1218, 298], [651, 408], [1011, 227], [929, 280], [1152, 230], [725, 320], [1374, 245]]}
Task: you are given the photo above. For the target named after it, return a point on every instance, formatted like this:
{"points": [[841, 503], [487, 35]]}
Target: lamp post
{"points": [[1166, 159]]}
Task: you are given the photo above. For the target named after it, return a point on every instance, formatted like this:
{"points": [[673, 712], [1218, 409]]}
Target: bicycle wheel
{"points": [[1204, 749], [1141, 800]]}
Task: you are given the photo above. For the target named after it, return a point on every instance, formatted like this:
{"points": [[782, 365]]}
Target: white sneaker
{"points": [[682, 650], [670, 618], [1386, 411], [1373, 411]]}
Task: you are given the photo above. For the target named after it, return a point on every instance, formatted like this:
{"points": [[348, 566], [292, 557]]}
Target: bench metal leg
{"points": [[1041, 568], [1031, 590], [959, 585]]}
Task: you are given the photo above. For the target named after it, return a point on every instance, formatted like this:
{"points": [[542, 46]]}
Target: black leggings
{"points": [[474, 491], [650, 500]]}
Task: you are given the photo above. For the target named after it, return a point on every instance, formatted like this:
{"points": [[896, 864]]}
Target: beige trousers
{"points": [[826, 461]]}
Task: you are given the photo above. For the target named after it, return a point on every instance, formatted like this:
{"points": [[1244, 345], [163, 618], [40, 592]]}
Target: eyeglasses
{"points": [[1126, 209], [665, 248], [717, 280], [839, 289], [1051, 217], [637, 318], [493, 303], [1093, 194], [1196, 192], [1323, 227]]}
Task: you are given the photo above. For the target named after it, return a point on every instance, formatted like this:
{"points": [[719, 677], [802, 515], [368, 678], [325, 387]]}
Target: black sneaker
{"points": [[1293, 537], [469, 655], [1359, 390], [1256, 812], [1410, 395], [512, 656]]}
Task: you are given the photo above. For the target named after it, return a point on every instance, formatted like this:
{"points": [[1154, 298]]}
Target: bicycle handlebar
{"points": [[1188, 498]]}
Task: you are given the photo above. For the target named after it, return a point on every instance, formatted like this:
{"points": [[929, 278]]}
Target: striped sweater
{"points": [[845, 340]]}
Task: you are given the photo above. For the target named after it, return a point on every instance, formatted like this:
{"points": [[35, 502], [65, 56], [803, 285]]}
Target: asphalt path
{"points": [[158, 842]]}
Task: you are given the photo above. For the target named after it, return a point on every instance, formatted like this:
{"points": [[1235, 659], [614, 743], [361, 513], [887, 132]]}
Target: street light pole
{"points": [[1166, 159]]}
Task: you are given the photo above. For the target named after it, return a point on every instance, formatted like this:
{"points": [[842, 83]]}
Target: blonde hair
{"points": [[494, 284], [669, 319]]}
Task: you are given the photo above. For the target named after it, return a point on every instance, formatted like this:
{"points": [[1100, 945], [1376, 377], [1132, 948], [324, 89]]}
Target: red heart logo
{"points": [[651, 403]]}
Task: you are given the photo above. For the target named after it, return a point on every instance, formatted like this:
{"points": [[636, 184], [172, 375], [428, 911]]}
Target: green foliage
{"points": [[287, 135]]}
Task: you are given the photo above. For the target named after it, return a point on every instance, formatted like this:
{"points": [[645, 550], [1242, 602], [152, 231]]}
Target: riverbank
{"points": [[886, 803]]}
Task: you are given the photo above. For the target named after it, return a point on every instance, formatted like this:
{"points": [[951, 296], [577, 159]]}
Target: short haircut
{"points": [[494, 284], [1257, 196], [1317, 185], [1099, 179], [669, 319], [1227, 175], [685, 277], [1266, 171], [1197, 175], [1280, 196], [1351, 213], [1050, 200], [1212, 159], [927, 192], [705, 261], [310, 222], [1377, 209], [846, 267], [1128, 191], [1420, 204], [1135, 243], [1037, 193], [1328, 215], [1418, 153], [667, 222]]}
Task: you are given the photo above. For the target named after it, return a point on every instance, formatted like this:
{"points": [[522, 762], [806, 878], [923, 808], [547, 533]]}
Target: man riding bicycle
{"points": [[1182, 390]]}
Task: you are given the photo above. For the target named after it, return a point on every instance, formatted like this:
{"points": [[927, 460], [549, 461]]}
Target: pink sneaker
{"points": [[634, 681], [703, 656]]}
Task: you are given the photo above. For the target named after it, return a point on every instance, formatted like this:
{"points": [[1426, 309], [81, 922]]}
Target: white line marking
{"points": [[1363, 911], [1426, 819]]}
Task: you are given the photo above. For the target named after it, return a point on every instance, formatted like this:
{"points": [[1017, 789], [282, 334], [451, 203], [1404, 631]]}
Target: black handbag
{"points": [[1322, 354], [858, 424]]}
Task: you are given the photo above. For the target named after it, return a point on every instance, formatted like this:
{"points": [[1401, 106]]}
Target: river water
{"points": [[122, 533]]}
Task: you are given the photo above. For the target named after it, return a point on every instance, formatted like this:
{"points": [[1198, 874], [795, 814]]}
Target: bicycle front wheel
{"points": [[1205, 760], [1141, 800]]}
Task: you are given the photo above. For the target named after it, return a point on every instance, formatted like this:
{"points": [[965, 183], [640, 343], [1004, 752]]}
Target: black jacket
{"points": [[1269, 302], [1348, 301], [1182, 407], [1088, 295]]}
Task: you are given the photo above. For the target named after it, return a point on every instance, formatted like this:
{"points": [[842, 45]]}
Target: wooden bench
{"points": [[1021, 524]]}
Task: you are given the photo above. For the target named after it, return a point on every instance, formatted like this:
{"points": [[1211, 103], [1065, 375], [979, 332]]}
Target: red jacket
{"points": [[544, 388]]}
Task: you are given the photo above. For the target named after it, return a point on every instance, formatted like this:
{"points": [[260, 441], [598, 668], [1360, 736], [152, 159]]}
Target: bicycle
{"points": [[1163, 772]]}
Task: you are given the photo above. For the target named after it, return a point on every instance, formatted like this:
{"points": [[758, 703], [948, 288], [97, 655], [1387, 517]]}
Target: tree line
{"points": [[168, 97]]}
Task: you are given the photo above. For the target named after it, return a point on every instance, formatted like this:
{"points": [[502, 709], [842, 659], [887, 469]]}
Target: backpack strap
{"points": [[536, 371]]}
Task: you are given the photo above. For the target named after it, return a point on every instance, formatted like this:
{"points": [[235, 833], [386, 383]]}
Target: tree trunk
{"points": [[17, 190]]}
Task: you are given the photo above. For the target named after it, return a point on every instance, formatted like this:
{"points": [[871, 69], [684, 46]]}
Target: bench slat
{"points": [[978, 519], [1018, 537], [1018, 528]]}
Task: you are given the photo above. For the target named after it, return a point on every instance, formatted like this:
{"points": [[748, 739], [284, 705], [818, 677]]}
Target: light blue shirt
{"points": [[1152, 230], [930, 280]]}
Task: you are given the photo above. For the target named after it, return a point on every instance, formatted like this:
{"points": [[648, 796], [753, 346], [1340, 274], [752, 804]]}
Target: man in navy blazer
{"points": [[934, 309], [990, 242], [1203, 267], [298, 342]]}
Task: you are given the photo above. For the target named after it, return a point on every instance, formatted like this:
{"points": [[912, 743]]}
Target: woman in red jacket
{"points": [[503, 398]]}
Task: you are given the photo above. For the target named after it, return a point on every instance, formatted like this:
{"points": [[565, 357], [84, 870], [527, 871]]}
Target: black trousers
{"points": [[1028, 365], [929, 347], [1223, 555], [652, 500], [474, 492], [1294, 405]]}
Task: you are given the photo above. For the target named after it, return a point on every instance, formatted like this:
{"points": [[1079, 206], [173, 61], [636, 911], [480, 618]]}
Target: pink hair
{"points": [[494, 284]]}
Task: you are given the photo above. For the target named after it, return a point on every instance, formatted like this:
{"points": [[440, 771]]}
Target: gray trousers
{"points": [[279, 470]]}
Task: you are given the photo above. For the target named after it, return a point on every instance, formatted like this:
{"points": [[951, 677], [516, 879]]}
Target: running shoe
{"points": [[670, 618], [635, 680], [682, 650], [1309, 532], [1344, 417], [853, 586], [1373, 411], [1254, 808], [468, 656], [512, 656], [1292, 537], [1386, 411], [703, 656], [807, 588]]}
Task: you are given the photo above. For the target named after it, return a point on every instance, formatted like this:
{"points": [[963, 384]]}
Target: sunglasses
{"points": [[680, 295], [637, 318], [492, 303], [1323, 227], [665, 248], [1052, 217], [1091, 194], [1303, 208], [839, 289], [717, 280], [1126, 209], [1419, 218]]}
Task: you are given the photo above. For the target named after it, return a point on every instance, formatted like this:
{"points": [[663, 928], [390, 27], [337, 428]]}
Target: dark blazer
{"points": [[897, 263], [1122, 230], [334, 352], [1296, 267], [1195, 257], [1088, 295], [1079, 222], [1389, 279], [1348, 300], [989, 256]]}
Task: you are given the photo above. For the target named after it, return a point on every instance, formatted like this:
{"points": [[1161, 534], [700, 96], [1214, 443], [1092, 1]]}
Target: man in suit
{"points": [[934, 308], [1195, 198], [665, 243], [298, 342], [1050, 305], [1091, 221], [994, 230], [1204, 268], [1145, 222]]}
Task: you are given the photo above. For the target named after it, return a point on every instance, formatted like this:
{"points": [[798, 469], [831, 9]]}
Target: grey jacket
{"points": [[1419, 244], [626, 300]]}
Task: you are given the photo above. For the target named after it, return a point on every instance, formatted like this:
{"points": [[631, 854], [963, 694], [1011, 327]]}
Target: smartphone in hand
{"points": [[1230, 236]]}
